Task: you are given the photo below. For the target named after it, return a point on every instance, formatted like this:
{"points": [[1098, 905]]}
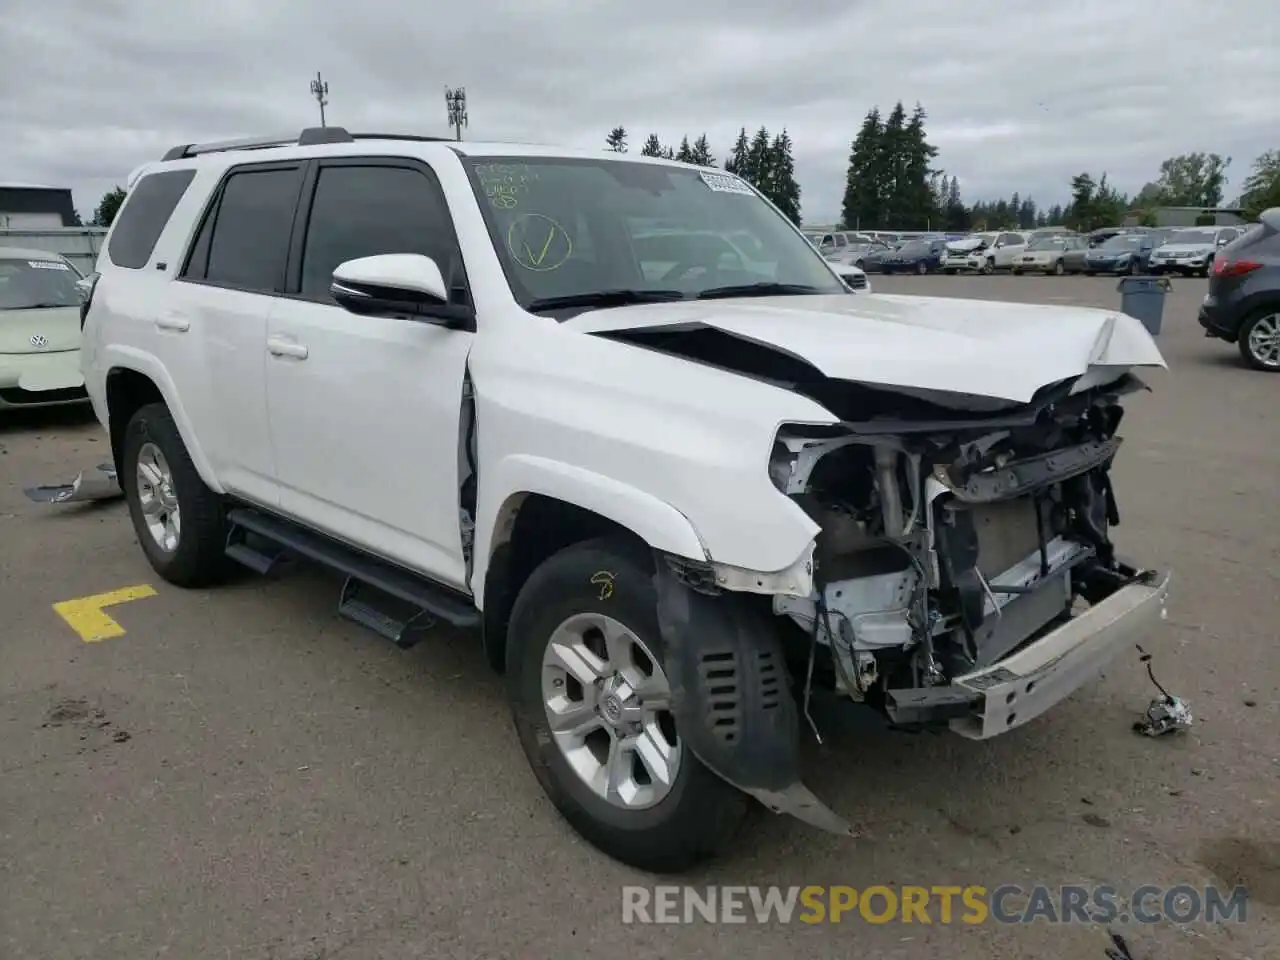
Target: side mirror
{"points": [[393, 285]]}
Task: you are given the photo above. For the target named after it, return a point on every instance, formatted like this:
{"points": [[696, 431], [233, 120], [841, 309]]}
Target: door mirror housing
{"points": [[395, 285]]}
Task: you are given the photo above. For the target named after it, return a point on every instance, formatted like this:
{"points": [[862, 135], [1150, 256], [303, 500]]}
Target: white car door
{"points": [[1008, 247], [227, 288], [365, 412]]}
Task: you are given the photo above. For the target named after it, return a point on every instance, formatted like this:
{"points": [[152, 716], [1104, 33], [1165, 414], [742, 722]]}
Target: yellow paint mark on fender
{"points": [[604, 580], [86, 617]]}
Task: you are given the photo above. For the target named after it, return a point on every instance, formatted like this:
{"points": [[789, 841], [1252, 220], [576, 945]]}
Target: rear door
{"points": [[230, 282]]}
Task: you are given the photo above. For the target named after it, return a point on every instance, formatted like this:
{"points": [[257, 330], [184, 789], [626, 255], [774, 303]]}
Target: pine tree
{"points": [[685, 153], [702, 152], [919, 207], [893, 165], [758, 169], [617, 140], [864, 181], [737, 161], [783, 189], [652, 147]]}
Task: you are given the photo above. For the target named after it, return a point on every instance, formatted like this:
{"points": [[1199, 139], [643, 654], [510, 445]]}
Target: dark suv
{"points": [[1243, 302]]}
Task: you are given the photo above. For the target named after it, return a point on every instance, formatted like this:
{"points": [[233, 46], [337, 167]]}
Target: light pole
{"points": [[320, 90], [455, 99]]}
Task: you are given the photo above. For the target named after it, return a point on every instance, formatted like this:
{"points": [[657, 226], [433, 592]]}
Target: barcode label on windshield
{"points": [[47, 265], [723, 183]]}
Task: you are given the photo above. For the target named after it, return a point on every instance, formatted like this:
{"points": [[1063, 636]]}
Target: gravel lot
{"points": [[242, 774]]}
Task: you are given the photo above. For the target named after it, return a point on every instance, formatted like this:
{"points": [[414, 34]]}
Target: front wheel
{"points": [[922, 269], [989, 267], [1259, 340], [1135, 268], [592, 708], [179, 521], [1059, 269]]}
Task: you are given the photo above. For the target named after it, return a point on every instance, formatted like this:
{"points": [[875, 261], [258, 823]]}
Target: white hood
{"points": [[1192, 248], [991, 349], [967, 245]]}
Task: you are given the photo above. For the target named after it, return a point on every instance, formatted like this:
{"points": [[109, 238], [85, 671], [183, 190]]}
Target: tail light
{"points": [[1234, 268]]}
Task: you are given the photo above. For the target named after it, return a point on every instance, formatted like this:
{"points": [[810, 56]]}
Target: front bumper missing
{"points": [[1025, 685]]}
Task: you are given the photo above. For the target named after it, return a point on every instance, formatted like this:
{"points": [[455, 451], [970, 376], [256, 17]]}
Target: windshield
{"points": [[1047, 243], [1123, 242], [1192, 236], [30, 284], [573, 228]]}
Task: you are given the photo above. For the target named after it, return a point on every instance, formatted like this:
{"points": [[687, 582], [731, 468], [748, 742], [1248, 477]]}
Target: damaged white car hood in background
{"points": [[1005, 351]]}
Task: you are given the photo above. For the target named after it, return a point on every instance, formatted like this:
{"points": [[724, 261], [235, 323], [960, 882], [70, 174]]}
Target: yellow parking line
{"points": [[85, 615]]}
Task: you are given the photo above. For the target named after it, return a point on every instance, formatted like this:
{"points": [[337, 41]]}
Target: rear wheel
{"points": [[179, 521], [592, 708], [1259, 340]]}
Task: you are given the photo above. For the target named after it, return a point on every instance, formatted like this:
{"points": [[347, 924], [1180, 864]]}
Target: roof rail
{"points": [[310, 137]]}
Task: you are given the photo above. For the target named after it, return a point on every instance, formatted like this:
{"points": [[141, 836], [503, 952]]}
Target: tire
{"points": [[198, 556], [1208, 268], [1015, 271], [1059, 268], [922, 268], [1088, 273], [989, 267], [1135, 268], [700, 814], [1270, 316]]}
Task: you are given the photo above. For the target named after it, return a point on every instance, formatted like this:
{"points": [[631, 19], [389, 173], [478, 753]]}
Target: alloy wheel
{"points": [[1264, 341], [158, 498], [608, 704]]}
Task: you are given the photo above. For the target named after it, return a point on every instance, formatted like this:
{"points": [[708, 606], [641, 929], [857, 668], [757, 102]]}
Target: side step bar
{"points": [[394, 603]]}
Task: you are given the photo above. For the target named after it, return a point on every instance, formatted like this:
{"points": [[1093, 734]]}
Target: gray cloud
{"points": [[1020, 97]]}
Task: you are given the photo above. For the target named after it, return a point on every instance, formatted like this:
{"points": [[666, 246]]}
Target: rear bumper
{"points": [[1025, 685], [1218, 322]]}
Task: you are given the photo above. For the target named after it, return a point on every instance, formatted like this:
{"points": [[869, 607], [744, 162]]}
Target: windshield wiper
{"points": [[42, 306], [767, 289], [603, 298]]}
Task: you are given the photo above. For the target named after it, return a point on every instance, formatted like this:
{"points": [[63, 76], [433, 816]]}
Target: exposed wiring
{"points": [[1146, 658]]}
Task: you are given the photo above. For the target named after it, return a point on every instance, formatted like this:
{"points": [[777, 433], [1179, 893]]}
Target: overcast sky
{"points": [[1020, 95]]}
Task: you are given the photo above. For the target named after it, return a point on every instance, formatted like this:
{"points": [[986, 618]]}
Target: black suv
{"points": [[1243, 302]]}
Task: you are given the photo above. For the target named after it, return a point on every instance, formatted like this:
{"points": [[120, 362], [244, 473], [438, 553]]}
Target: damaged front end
{"points": [[964, 575]]}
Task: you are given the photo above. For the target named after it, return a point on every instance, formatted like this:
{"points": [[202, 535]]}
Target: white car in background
{"points": [[853, 276], [1192, 250], [40, 300], [1008, 247], [970, 255]]}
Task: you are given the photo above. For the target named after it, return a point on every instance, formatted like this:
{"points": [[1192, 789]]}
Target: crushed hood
{"points": [[54, 329], [1006, 351], [1186, 248]]}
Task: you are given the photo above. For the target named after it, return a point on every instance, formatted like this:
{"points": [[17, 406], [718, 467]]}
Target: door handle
{"points": [[286, 348], [173, 322]]}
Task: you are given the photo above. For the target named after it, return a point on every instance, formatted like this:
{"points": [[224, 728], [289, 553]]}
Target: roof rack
{"points": [[310, 137]]}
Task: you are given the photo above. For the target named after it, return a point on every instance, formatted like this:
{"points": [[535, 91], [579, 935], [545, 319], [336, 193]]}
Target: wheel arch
{"points": [[135, 381]]}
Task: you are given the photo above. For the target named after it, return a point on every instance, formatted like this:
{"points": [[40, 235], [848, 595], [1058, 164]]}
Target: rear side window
{"points": [[144, 216], [244, 241]]}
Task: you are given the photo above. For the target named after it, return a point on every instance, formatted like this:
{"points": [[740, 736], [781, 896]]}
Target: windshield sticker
{"points": [[723, 183], [47, 265], [537, 242], [505, 184]]}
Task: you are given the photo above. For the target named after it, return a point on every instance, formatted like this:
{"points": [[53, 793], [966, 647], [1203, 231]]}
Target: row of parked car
{"points": [[1189, 251]]}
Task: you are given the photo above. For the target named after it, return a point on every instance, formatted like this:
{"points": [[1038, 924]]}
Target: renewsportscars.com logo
{"points": [[1006, 904]]}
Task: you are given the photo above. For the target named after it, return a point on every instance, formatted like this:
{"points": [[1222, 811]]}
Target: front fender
{"points": [[120, 357], [504, 485]]}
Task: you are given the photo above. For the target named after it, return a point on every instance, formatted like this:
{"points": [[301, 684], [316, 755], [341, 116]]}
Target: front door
{"points": [[365, 411]]}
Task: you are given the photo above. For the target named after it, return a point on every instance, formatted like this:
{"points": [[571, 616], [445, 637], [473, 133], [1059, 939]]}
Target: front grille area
{"points": [[858, 283], [18, 397]]}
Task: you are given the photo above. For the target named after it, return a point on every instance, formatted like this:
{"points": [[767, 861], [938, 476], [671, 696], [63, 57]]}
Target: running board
{"points": [[390, 601]]}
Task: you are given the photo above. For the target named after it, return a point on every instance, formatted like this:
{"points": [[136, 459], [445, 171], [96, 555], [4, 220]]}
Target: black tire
{"points": [[199, 558], [1208, 267], [1242, 339], [1015, 271], [702, 813], [1135, 268], [922, 268], [989, 267], [1088, 273]]}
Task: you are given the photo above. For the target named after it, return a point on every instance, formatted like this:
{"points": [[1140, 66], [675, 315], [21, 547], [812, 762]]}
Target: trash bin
{"points": [[1143, 299]]}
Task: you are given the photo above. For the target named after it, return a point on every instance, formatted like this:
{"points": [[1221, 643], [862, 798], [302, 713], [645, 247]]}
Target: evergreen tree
{"points": [[864, 182], [652, 147], [892, 162], [685, 153], [617, 140], [758, 169], [954, 215], [737, 161], [915, 193], [702, 152], [783, 189]]}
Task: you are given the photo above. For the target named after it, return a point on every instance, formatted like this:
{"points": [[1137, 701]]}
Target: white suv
{"points": [[677, 483]]}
